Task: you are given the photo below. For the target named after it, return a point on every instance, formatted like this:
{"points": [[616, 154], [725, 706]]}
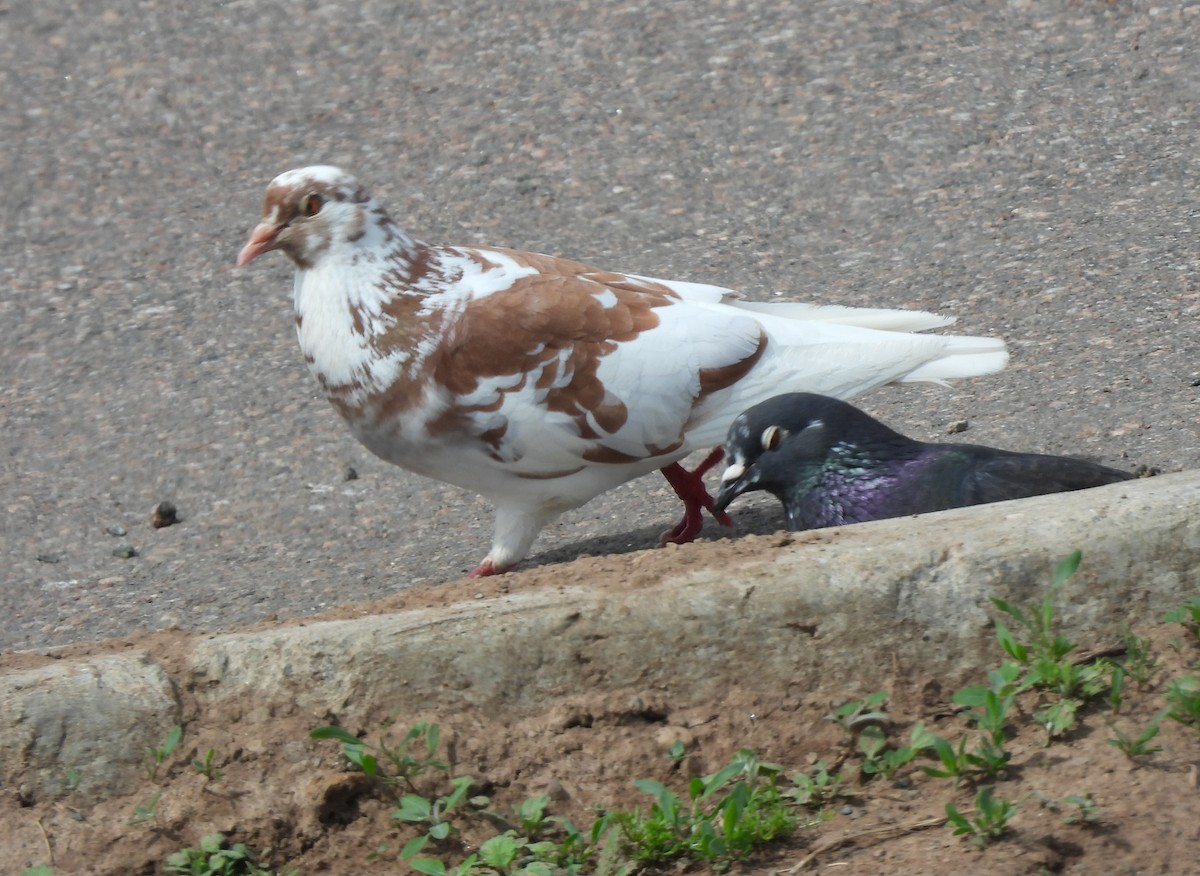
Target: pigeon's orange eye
{"points": [[311, 205], [772, 437]]}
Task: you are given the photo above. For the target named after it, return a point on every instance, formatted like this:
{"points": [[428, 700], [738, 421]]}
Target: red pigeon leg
{"points": [[689, 486]]}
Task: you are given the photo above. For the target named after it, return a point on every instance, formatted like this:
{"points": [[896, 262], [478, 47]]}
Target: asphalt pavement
{"points": [[1030, 167]]}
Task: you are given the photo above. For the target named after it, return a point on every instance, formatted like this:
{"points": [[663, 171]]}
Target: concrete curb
{"points": [[855, 604]]}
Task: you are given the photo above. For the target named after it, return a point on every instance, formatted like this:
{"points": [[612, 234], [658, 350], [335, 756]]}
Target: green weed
{"points": [[147, 811], [816, 788], [1045, 658], [886, 761], [431, 814], [1140, 664], [1082, 808], [1188, 615], [727, 816], [856, 714], [157, 756], [216, 858], [1183, 699], [1137, 746], [985, 761], [391, 765], [1085, 807], [207, 767], [989, 822]]}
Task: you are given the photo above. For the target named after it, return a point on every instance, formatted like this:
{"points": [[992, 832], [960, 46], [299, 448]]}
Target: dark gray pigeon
{"points": [[830, 464]]}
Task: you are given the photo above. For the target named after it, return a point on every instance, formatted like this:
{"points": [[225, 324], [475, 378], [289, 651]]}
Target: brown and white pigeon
{"points": [[539, 382]]}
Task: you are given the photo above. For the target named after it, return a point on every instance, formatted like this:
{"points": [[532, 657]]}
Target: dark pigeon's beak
{"points": [[735, 480]]}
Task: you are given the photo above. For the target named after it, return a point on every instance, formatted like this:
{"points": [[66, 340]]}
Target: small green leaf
{"points": [[1066, 568], [414, 846], [428, 866], [331, 732], [172, 740], [413, 807], [499, 852]]}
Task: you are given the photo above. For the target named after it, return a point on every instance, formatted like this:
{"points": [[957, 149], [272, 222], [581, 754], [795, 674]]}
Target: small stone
{"points": [[957, 426], [164, 514], [47, 557], [116, 530], [125, 551], [350, 474]]}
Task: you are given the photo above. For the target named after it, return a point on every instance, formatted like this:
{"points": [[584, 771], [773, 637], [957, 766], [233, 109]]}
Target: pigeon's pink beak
{"points": [[262, 238]]}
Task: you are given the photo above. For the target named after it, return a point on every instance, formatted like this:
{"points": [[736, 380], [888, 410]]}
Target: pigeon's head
{"points": [[310, 210], [768, 443]]}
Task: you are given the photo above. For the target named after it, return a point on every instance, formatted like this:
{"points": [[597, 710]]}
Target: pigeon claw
{"points": [[689, 487], [487, 568]]}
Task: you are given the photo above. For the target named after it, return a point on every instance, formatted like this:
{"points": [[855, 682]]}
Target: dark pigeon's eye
{"points": [[772, 437], [311, 205]]}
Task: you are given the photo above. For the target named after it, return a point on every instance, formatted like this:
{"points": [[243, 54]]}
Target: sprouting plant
{"points": [[1116, 687], [1183, 698], [1189, 615], [985, 761], [431, 813], [531, 816], [1083, 811], [886, 761], [989, 822], [1137, 746], [677, 752], [215, 858], [816, 788], [861, 720], [431, 817], [1086, 807], [1045, 658], [1140, 664], [871, 743], [726, 817], [43, 870], [856, 714], [147, 811], [400, 764], [509, 854], [156, 756], [988, 707], [207, 767], [1057, 717], [500, 852]]}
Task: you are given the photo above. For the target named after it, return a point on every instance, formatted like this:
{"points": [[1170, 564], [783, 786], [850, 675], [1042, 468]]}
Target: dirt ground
{"points": [[298, 803]]}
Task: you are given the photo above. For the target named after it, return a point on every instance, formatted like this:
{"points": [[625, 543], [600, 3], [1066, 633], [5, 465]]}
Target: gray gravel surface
{"points": [[1029, 166]]}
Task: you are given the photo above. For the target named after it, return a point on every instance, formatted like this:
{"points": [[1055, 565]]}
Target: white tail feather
{"points": [[881, 319]]}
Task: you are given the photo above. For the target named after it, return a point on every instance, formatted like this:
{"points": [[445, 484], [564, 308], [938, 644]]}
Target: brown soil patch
{"points": [[295, 800]]}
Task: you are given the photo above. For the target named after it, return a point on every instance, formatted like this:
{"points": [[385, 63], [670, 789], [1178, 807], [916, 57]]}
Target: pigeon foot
{"points": [[487, 568], [689, 487]]}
